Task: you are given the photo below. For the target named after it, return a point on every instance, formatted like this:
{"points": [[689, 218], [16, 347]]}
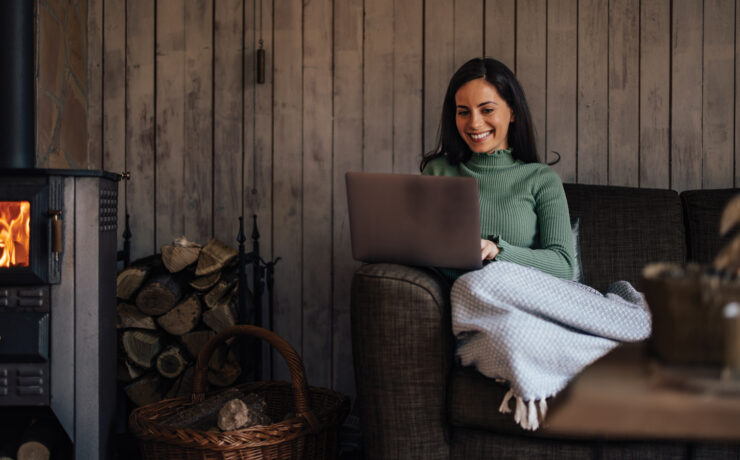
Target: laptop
{"points": [[410, 219]]}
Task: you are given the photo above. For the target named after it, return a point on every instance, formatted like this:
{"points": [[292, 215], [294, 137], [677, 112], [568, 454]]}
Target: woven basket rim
{"points": [[147, 428]]}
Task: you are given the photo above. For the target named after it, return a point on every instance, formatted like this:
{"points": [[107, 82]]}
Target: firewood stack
{"points": [[169, 306]]}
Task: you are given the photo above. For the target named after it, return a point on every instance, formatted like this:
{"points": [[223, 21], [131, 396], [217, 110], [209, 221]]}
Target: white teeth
{"points": [[480, 136]]}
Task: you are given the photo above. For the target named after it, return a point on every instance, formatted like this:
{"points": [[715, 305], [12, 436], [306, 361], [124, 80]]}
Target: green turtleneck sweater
{"points": [[523, 205]]}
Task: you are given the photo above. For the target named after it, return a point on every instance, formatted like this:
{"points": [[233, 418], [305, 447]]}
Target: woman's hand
{"points": [[488, 250]]}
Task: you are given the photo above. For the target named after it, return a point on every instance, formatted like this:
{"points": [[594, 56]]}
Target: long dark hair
{"points": [[521, 131]]}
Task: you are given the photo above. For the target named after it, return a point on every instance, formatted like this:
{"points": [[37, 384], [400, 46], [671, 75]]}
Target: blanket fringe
{"points": [[526, 413], [504, 407]]}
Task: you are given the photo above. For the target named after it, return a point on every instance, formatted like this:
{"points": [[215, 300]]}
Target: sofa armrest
{"points": [[403, 351]]}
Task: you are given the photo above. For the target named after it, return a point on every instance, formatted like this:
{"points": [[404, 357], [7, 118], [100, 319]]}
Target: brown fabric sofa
{"points": [[414, 400]]}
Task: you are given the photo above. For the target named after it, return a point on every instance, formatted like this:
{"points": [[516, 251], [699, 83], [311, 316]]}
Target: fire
{"points": [[15, 233]]}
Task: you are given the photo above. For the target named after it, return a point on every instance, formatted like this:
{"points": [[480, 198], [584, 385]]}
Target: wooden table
{"points": [[626, 395]]}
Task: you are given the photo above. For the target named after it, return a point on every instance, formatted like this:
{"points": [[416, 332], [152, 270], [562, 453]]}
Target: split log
{"points": [[225, 288], [128, 371], [176, 258], [196, 340], [223, 367], [203, 283], [183, 386], [201, 415], [226, 375], [183, 318], [213, 257], [160, 295], [129, 281], [146, 390], [141, 347], [39, 440], [128, 316], [221, 316], [171, 362], [243, 412]]}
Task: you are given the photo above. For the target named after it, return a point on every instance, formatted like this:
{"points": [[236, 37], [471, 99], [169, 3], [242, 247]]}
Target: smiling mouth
{"points": [[480, 137]]}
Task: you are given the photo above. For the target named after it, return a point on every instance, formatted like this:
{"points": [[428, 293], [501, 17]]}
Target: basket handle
{"points": [[295, 364]]}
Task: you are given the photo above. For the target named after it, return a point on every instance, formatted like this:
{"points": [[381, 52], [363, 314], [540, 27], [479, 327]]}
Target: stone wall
{"points": [[61, 84]]}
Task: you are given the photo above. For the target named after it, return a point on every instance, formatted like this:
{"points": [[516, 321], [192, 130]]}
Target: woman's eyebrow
{"points": [[485, 103]]}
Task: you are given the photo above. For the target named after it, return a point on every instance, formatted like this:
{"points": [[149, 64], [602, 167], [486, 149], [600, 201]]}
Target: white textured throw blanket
{"points": [[537, 331]]}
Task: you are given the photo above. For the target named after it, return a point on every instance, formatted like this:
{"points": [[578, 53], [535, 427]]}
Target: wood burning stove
{"points": [[57, 299]]}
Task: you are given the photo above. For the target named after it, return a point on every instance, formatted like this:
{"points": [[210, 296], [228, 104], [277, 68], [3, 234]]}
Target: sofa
{"points": [[416, 402]]}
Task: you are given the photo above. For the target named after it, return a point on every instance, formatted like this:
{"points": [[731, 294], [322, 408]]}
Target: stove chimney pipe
{"points": [[17, 82]]}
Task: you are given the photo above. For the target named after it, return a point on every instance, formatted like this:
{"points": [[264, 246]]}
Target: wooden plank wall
{"points": [[629, 92]]}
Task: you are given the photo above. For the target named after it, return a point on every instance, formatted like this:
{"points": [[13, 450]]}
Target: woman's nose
{"points": [[475, 119]]}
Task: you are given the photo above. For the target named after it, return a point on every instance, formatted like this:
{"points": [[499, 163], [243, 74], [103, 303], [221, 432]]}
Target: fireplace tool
{"points": [[262, 273]]}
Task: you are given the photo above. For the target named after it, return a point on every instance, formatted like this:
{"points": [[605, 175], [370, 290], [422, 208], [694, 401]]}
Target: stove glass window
{"points": [[15, 233]]}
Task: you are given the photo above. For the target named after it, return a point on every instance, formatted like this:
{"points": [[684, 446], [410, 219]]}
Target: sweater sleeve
{"points": [[555, 254]]}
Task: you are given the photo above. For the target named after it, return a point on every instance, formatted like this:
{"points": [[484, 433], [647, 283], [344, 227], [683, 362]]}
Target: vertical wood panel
{"points": [[317, 190], [531, 63], [94, 24], [198, 164], [655, 78], [736, 173], [593, 67], [287, 187], [624, 96], [407, 87], [562, 66], [171, 150], [500, 22], [227, 109], [468, 31], [439, 64], [686, 96], [114, 99], [140, 125], [718, 105], [348, 20], [378, 87]]}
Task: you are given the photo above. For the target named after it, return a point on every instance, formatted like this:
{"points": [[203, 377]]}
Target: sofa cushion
{"points": [[623, 229], [703, 210]]}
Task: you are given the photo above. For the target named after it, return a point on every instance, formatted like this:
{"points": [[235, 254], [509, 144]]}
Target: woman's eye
{"points": [[462, 113], [487, 110]]}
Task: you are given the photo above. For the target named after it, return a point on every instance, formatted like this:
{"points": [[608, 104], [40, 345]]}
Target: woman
{"points": [[521, 318], [487, 134]]}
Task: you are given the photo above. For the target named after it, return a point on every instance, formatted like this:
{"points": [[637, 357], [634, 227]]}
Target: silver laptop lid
{"points": [[429, 221]]}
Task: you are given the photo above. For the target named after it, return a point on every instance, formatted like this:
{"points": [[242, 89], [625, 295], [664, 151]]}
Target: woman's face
{"points": [[482, 116]]}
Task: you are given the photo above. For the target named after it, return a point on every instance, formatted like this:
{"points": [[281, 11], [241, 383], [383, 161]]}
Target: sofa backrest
{"points": [[623, 229], [702, 211]]}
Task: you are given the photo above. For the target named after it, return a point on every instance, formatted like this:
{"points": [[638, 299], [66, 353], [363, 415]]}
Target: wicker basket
{"points": [[312, 434]]}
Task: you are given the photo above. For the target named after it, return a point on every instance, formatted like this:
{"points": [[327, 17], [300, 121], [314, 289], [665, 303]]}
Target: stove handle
{"points": [[56, 232]]}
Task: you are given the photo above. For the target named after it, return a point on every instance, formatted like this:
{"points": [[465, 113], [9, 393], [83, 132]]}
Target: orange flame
{"points": [[15, 233]]}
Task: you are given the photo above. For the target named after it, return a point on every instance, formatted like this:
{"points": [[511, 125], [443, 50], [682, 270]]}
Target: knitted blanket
{"points": [[537, 332]]}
